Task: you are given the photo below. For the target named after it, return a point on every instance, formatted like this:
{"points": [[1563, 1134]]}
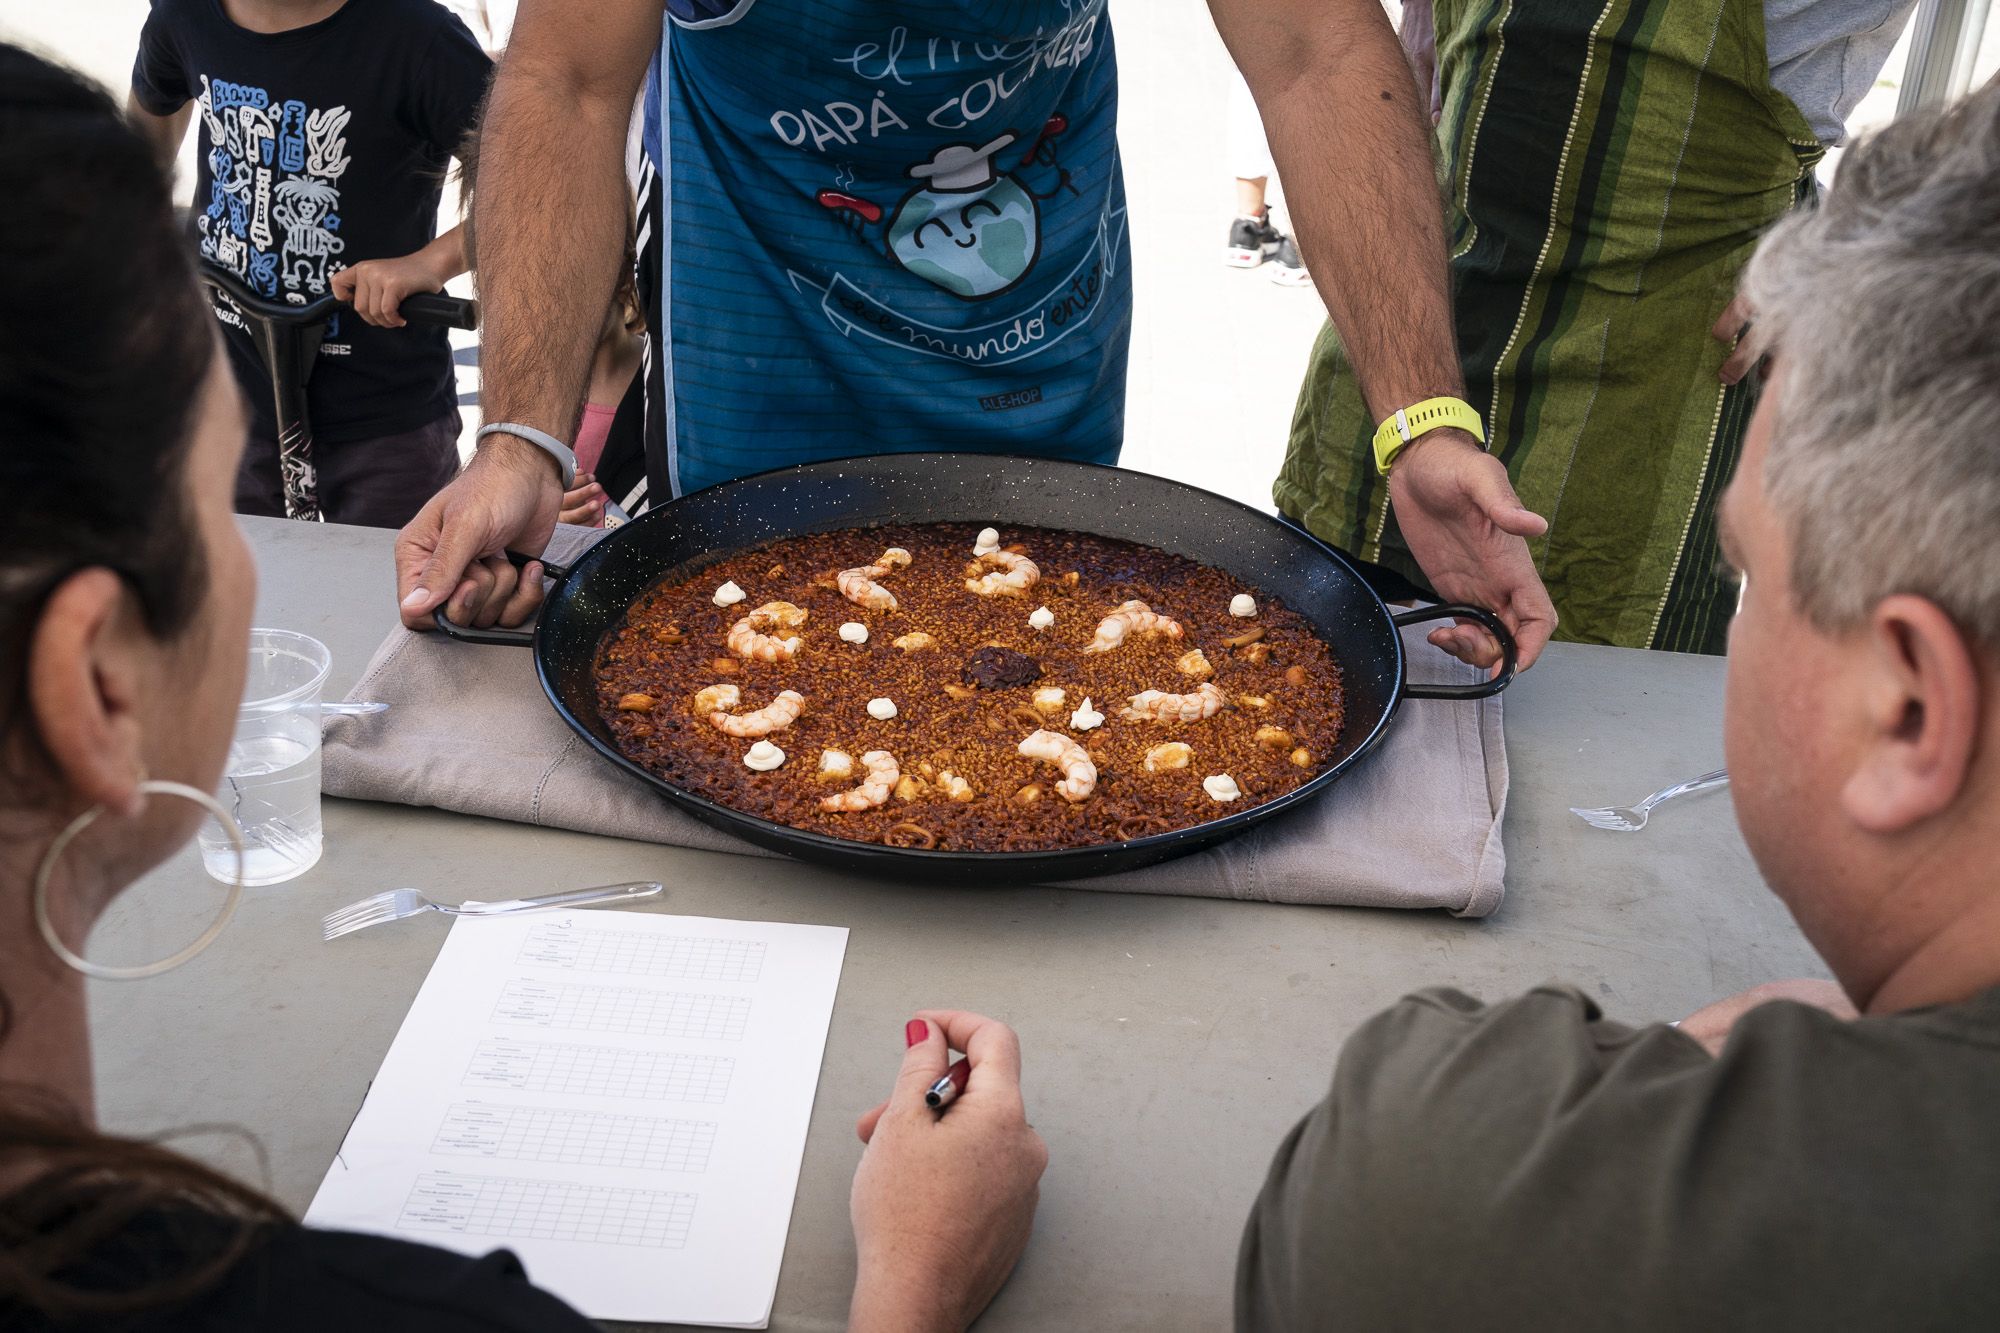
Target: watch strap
{"points": [[1402, 429]]}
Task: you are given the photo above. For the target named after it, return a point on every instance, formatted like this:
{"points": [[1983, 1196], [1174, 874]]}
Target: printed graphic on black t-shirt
{"points": [[322, 147], [274, 187]]}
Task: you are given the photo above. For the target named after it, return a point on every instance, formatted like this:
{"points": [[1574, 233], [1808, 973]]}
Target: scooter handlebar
{"points": [[418, 307], [453, 312]]}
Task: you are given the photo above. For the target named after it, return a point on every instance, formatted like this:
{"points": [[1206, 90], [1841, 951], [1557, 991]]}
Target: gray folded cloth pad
{"points": [[1415, 824]]}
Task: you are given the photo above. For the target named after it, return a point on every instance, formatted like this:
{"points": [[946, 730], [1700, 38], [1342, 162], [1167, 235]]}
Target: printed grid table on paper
{"points": [[642, 1013], [628, 954], [600, 1071], [548, 1210], [584, 1138]]}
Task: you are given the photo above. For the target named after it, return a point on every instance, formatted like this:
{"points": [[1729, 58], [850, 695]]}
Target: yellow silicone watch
{"points": [[1400, 431]]}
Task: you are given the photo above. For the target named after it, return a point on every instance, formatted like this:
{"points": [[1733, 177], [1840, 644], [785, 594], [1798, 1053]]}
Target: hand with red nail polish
{"points": [[943, 1203]]}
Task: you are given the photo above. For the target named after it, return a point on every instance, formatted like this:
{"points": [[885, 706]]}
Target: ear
{"points": [[86, 661], [1921, 693]]}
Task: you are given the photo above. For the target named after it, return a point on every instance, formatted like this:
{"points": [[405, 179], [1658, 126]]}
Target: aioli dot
{"points": [[1221, 787]]}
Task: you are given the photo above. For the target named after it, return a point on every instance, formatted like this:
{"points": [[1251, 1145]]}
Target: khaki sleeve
{"points": [[1399, 1201]]}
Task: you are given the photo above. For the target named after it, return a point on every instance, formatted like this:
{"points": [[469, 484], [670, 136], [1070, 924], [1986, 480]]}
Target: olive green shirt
{"points": [[1532, 1165]]}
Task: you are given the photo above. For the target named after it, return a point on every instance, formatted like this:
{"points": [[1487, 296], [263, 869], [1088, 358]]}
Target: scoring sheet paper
{"points": [[619, 1098]]}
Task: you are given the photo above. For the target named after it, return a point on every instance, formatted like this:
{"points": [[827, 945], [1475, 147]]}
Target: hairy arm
{"points": [[1353, 150], [163, 133], [1351, 138], [551, 208], [549, 217]]}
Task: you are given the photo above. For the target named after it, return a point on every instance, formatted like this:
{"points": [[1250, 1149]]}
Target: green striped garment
{"points": [[1609, 172]]}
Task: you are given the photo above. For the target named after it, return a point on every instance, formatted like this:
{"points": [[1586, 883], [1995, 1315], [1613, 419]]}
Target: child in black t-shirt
{"points": [[326, 127]]}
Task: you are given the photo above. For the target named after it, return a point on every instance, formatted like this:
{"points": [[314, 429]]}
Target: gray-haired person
{"points": [[1776, 1161]]}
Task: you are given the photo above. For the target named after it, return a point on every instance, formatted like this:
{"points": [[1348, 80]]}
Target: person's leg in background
{"points": [[383, 482], [1254, 238], [260, 490]]}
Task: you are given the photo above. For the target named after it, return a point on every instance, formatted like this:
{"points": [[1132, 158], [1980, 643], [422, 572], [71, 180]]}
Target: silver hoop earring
{"points": [[77, 961]]}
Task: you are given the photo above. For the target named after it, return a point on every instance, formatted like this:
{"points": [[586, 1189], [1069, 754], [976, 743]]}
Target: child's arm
{"points": [[376, 287], [163, 133]]}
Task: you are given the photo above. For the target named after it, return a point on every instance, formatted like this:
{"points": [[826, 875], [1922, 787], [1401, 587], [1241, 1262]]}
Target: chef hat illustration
{"points": [[960, 166]]}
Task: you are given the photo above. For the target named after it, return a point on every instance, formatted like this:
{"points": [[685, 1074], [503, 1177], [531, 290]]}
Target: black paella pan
{"points": [[679, 539]]}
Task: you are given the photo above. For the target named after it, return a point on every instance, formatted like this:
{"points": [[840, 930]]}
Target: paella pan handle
{"points": [[1460, 611], [500, 638]]}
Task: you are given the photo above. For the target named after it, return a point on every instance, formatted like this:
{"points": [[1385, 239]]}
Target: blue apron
{"points": [[884, 227]]}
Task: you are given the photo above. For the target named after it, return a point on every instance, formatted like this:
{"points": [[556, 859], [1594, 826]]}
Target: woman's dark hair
{"points": [[104, 343]]}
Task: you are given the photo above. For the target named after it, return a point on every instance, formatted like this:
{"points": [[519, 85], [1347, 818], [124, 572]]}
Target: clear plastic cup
{"points": [[271, 782]]}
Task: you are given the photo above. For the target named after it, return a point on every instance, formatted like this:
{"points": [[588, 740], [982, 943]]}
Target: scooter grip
{"points": [[450, 311]]}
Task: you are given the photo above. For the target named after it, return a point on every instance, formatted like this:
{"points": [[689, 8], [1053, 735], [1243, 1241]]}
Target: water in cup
{"points": [[271, 786], [271, 782]]}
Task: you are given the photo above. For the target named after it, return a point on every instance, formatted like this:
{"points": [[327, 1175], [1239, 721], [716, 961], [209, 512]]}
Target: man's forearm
{"points": [[1352, 145], [1351, 139], [550, 212]]}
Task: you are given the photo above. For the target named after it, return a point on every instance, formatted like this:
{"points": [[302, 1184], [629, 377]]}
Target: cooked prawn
{"points": [[751, 639], [1008, 574], [874, 789], [858, 585], [1079, 774], [780, 713], [724, 697], [1129, 619], [1158, 706]]}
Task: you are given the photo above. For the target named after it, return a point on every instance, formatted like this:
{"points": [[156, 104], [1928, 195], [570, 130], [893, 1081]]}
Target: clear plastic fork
{"points": [[1632, 818], [263, 825], [396, 904]]}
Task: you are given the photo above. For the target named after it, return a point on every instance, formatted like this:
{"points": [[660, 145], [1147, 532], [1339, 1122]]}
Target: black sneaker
{"points": [[1287, 269], [1251, 242]]}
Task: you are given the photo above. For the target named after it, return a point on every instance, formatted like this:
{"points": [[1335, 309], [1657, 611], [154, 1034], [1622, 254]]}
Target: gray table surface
{"points": [[1170, 1042]]}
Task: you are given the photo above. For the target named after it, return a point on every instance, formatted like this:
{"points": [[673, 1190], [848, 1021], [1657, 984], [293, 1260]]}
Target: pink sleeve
{"points": [[591, 434]]}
